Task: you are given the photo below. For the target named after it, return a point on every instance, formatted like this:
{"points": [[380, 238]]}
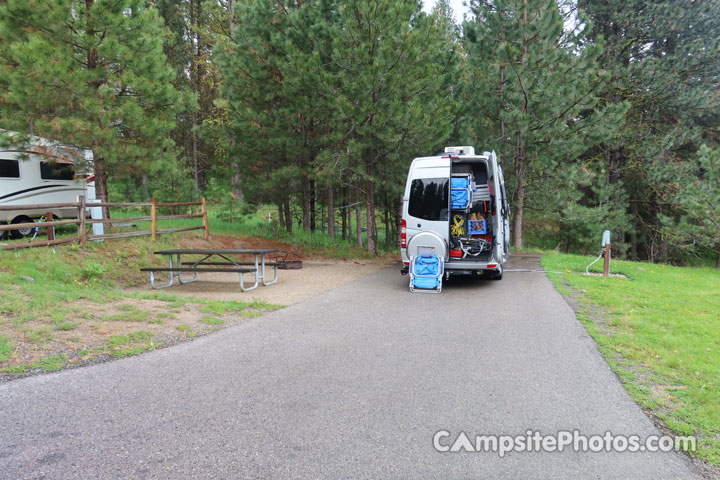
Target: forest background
{"points": [[604, 113]]}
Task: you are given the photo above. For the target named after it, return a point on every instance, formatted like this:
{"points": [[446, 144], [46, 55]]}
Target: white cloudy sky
{"points": [[456, 5]]}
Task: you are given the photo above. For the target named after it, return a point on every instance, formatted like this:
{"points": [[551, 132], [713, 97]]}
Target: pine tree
{"points": [[698, 224], [392, 89], [533, 97], [663, 60], [93, 73], [322, 93]]}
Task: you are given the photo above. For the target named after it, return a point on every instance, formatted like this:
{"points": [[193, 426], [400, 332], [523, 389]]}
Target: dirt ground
{"points": [[316, 276], [92, 332]]}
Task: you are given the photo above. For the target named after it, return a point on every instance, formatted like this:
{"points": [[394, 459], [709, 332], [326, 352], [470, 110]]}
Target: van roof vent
{"points": [[460, 150]]}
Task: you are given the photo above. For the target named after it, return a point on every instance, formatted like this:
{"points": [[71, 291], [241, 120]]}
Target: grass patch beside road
{"points": [[67, 306], [659, 329]]}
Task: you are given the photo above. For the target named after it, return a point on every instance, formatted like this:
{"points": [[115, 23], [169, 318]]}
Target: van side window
{"points": [[56, 171], [428, 197], [10, 168]]}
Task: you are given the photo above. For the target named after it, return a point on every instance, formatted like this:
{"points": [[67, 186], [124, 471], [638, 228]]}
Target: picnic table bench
{"points": [[177, 266]]}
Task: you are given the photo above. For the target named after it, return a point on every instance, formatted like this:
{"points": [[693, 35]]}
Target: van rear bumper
{"points": [[460, 266]]}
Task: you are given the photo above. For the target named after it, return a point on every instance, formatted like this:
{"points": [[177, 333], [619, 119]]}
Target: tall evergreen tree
{"points": [[392, 88], [533, 96], [697, 199], [90, 72], [663, 60], [319, 88]]}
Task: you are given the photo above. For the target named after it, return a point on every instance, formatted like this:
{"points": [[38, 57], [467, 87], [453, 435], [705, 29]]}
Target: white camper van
{"points": [[455, 205], [42, 172]]}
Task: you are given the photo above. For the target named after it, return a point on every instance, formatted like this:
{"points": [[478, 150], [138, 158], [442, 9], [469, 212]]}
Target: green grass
{"points": [[130, 314], [213, 320], [659, 330], [45, 292], [6, 348], [129, 344], [48, 364], [39, 336]]}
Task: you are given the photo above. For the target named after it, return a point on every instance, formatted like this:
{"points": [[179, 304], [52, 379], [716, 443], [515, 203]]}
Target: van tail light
{"points": [[492, 265], [403, 234]]}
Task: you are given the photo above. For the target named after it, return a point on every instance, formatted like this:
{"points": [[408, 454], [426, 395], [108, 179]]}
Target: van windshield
{"points": [[429, 198]]}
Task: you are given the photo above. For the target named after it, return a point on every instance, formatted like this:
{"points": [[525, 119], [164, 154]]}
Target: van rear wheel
{"points": [[21, 232], [495, 275]]}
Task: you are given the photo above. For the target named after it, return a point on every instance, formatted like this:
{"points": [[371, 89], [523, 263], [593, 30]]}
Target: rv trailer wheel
{"points": [[21, 232]]}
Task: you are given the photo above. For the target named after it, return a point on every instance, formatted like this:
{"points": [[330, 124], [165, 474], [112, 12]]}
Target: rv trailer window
{"points": [[56, 171], [428, 198], [10, 168]]}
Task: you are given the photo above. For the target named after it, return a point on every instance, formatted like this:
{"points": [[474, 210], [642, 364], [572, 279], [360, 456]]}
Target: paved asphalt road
{"points": [[352, 383]]}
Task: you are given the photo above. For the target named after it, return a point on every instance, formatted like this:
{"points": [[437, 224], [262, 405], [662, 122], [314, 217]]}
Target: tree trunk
{"points": [[388, 238], [343, 213], [235, 181], [281, 214], [331, 212], [101, 190], [520, 159], [519, 197], [313, 204], [348, 212], [288, 216], [358, 221], [614, 160], [717, 265], [305, 201], [195, 86], [633, 233], [145, 188], [370, 207]]}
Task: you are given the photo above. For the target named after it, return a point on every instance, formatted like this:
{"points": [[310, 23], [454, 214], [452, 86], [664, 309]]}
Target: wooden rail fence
{"points": [[82, 222]]}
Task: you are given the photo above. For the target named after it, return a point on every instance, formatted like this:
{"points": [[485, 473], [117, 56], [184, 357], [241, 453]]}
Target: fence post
{"points": [[49, 217], [153, 218], [81, 226], [203, 209]]}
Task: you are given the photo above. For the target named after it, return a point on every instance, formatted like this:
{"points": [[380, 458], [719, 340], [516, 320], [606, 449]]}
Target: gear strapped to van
{"points": [[455, 203], [426, 272]]}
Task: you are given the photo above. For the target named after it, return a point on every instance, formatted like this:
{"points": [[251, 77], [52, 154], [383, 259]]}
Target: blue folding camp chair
{"points": [[460, 193], [426, 272]]}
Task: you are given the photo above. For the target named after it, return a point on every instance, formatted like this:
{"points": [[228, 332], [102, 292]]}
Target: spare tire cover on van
{"points": [[427, 239]]}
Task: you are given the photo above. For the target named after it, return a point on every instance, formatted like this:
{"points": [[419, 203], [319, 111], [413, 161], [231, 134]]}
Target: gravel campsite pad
{"points": [[117, 314]]}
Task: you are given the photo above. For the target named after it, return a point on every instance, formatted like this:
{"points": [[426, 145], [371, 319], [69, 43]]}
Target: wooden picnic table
{"points": [[218, 261]]}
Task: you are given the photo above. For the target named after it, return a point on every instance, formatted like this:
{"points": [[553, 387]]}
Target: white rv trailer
{"points": [[470, 231], [42, 171]]}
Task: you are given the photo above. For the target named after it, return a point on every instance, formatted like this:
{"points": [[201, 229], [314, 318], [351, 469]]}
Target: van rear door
{"points": [[426, 203], [503, 214]]}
